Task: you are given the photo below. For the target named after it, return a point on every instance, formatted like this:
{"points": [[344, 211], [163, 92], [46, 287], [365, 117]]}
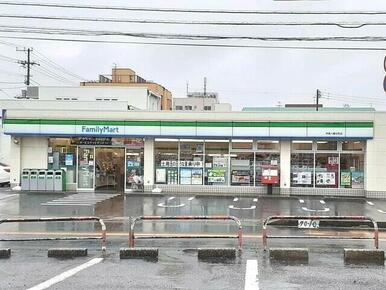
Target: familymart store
{"points": [[187, 152]]}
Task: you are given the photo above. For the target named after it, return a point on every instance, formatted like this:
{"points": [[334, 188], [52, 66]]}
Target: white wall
{"points": [[285, 164], [149, 162], [34, 152]]}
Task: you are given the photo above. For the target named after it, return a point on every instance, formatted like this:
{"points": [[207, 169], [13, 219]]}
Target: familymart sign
{"points": [[228, 129]]}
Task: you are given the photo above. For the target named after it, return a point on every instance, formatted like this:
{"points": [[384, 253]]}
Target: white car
{"points": [[4, 174]]}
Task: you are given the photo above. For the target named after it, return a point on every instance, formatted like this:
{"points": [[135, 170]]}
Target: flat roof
{"points": [[305, 109]]}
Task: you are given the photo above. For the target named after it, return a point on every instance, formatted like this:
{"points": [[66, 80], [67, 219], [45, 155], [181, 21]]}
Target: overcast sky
{"points": [[241, 76]]}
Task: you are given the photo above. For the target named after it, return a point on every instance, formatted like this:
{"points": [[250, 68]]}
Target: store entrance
{"points": [[109, 168]]}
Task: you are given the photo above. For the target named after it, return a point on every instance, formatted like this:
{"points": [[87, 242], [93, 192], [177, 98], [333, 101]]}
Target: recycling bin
{"points": [[42, 179], [59, 180], [50, 180], [33, 179], [25, 176]]}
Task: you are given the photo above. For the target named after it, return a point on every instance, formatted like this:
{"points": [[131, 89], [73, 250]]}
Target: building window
{"points": [[353, 146], [191, 162], [326, 170], [302, 170], [242, 168], [352, 170], [61, 154], [207, 108], [268, 145], [301, 145], [188, 108], [166, 161], [327, 145], [179, 108], [134, 160], [216, 162], [242, 144]]}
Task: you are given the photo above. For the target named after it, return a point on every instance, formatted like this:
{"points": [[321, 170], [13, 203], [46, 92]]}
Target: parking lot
{"points": [[178, 266]]}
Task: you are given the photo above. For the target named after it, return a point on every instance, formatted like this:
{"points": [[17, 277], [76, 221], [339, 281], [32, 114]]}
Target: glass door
{"points": [[86, 168]]}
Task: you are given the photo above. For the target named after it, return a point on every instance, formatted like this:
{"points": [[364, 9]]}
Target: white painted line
{"points": [[370, 203], [251, 275], [8, 196], [234, 207], [65, 275], [322, 201], [255, 200], [236, 199], [171, 206], [191, 198], [171, 198], [301, 200], [381, 211], [315, 210]]}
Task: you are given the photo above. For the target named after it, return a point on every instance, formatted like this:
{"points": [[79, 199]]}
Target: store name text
{"points": [[101, 130]]}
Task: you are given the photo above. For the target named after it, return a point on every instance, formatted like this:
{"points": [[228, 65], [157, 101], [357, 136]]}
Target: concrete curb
{"points": [[219, 253], [5, 253], [67, 252], [289, 254], [138, 253], [364, 256]]}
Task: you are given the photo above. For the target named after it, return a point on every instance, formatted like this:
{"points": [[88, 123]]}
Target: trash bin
{"points": [[33, 179], [50, 180], [59, 180], [42, 179], [25, 179]]}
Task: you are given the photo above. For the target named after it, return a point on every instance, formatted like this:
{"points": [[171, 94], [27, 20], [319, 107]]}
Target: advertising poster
{"points": [[357, 179], [325, 178], [302, 178], [160, 175], [196, 176], [345, 178], [216, 175], [69, 160], [186, 176]]}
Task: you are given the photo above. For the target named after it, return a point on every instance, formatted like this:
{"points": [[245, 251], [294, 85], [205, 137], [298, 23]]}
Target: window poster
{"points": [[160, 175], [304, 177], [196, 176], [186, 176], [357, 179], [345, 178], [69, 159], [216, 175], [325, 178]]}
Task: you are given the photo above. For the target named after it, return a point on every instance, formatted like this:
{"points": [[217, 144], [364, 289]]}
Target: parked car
{"points": [[4, 174]]}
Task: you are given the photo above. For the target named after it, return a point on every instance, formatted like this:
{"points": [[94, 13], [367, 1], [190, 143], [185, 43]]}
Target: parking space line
{"points": [[322, 201], [369, 203], [191, 198], [236, 199], [255, 200], [301, 200], [8, 196], [251, 275], [65, 275], [171, 198]]}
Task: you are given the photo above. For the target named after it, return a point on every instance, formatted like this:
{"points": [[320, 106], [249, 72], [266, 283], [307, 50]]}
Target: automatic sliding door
{"points": [[86, 166]]}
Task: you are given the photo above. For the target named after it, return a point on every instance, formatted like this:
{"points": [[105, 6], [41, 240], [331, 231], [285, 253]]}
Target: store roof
{"points": [[298, 109]]}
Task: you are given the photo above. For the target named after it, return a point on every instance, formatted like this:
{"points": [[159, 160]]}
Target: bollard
{"points": [[299, 255], [67, 252], [363, 256], [5, 253], [138, 253], [216, 253]]}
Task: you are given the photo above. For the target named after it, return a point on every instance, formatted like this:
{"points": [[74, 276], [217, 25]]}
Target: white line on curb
{"points": [[251, 275], [65, 275], [370, 203]]}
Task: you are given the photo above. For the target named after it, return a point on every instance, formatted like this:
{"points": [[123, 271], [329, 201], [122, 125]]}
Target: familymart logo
{"points": [[100, 130]]}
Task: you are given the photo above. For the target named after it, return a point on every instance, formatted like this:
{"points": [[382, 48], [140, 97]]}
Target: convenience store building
{"points": [[329, 152]]}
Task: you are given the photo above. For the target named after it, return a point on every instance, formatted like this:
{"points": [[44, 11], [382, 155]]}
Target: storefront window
{"points": [[326, 170], [216, 162], [301, 145], [353, 146], [242, 168], [134, 162], [262, 159], [327, 145], [352, 170], [242, 144], [166, 161], [62, 155], [191, 162], [302, 170], [268, 145]]}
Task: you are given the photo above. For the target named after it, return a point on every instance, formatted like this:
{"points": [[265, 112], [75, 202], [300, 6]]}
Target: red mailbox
{"points": [[270, 174]]}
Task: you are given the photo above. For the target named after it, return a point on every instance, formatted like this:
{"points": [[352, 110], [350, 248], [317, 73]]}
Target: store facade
{"points": [[313, 153]]}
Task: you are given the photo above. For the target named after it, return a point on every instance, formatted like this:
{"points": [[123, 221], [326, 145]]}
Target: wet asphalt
{"points": [[178, 266]]}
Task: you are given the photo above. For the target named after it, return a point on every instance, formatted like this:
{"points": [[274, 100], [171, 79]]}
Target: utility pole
{"points": [[27, 64], [318, 95], [204, 87]]}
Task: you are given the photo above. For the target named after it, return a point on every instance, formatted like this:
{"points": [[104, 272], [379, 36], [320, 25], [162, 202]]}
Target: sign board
{"points": [[270, 174], [308, 224]]}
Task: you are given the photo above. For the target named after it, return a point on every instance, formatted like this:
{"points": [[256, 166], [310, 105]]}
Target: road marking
{"points": [[65, 275], [369, 203], [251, 275], [234, 207], [171, 198], [381, 211], [236, 199], [191, 198], [322, 201], [255, 200], [315, 210], [7, 196], [171, 206], [301, 200]]}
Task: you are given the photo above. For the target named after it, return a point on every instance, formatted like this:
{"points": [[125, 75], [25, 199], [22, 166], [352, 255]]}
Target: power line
{"points": [[53, 75], [197, 44], [170, 36], [8, 58], [13, 83], [350, 25], [179, 10]]}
